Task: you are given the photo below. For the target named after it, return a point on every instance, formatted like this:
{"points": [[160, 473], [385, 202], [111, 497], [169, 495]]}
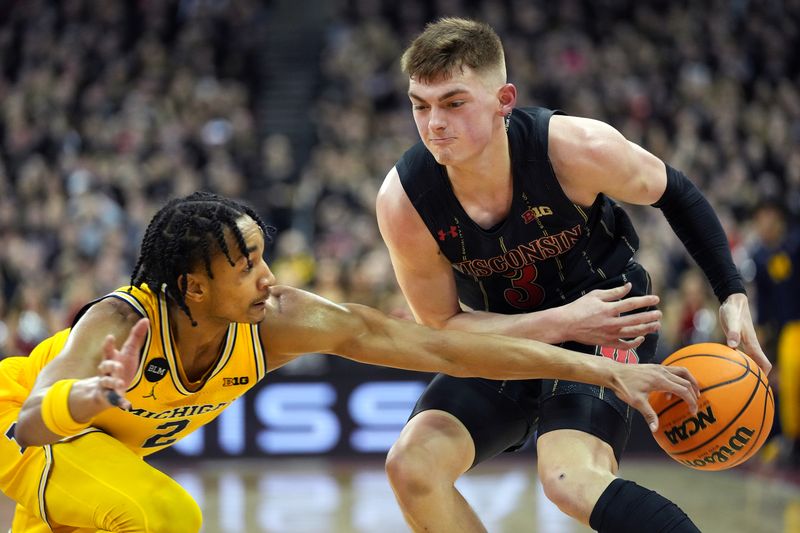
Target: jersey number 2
{"points": [[10, 436], [162, 439]]}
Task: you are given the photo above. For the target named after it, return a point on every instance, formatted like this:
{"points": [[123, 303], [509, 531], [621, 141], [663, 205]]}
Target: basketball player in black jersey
{"points": [[501, 220], [204, 309]]}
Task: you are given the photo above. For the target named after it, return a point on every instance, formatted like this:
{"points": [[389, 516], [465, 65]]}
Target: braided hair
{"points": [[184, 233]]}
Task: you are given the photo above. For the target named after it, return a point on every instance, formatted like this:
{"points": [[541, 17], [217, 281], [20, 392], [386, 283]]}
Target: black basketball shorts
{"points": [[503, 415]]}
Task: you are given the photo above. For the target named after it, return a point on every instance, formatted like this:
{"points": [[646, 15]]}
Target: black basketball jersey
{"points": [[547, 252]]}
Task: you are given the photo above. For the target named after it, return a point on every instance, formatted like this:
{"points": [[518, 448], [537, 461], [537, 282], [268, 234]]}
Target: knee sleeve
{"points": [[625, 507]]}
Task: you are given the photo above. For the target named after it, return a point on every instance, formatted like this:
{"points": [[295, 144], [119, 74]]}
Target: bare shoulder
{"points": [[567, 134], [401, 226], [109, 315], [83, 349], [587, 155], [392, 204]]}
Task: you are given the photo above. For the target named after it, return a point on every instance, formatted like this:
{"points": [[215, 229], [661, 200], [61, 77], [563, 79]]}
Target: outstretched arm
{"points": [[590, 157], [427, 281], [299, 322], [98, 360]]}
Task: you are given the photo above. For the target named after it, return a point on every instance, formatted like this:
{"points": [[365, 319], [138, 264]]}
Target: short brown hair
{"points": [[450, 44]]}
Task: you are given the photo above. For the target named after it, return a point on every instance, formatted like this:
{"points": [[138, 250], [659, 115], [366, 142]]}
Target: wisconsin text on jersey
{"points": [[522, 255]]}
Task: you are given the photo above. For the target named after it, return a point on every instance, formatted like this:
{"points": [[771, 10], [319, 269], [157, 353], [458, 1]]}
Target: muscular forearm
{"points": [[600, 317], [378, 339], [401, 344], [503, 357], [549, 325]]}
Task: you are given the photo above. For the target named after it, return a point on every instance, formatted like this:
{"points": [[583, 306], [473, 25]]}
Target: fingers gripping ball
{"points": [[734, 412]]}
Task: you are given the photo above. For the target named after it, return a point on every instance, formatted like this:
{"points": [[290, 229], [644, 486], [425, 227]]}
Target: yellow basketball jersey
{"points": [[165, 405]]}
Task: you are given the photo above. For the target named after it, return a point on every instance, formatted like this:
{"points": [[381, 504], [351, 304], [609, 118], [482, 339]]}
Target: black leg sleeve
{"points": [[625, 507]]}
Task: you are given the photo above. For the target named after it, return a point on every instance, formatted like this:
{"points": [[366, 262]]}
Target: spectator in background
{"points": [[692, 311], [776, 255], [107, 109]]}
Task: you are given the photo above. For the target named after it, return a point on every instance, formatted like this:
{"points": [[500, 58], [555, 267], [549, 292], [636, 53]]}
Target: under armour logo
{"points": [[443, 235]]}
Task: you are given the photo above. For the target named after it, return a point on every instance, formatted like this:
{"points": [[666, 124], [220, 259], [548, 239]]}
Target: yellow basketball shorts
{"points": [[92, 482]]}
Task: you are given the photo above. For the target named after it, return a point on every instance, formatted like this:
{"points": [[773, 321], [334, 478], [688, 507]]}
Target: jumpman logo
{"points": [[152, 393]]}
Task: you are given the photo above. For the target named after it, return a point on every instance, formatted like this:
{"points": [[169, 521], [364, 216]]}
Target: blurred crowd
{"points": [[107, 108]]}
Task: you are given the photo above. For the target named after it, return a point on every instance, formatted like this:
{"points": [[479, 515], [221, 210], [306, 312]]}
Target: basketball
{"points": [[734, 411]]}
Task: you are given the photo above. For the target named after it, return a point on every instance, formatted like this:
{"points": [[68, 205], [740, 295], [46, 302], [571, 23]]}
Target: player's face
{"points": [[238, 293], [456, 118]]}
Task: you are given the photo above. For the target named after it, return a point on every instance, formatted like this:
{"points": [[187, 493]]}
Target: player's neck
{"points": [[489, 170], [484, 186], [197, 346]]}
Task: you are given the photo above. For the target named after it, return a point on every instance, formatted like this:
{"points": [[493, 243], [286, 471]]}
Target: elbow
{"points": [[23, 433], [22, 443], [29, 429]]}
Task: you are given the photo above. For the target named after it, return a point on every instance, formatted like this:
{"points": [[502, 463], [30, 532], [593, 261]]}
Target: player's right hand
{"points": [[596, 318], [634, 383], [118, 367]]}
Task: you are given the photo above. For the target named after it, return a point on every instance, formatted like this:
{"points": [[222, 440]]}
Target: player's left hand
{"points": [[634, 383], [734, 316]]}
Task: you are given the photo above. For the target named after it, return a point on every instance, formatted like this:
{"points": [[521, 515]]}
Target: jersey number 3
{"points": [[524, 294]]}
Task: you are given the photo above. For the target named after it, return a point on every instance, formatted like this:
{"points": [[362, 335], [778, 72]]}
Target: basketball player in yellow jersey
{"points": [[203, 321]]}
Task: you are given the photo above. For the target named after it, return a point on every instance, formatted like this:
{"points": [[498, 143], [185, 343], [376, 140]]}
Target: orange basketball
{"points": [[734, 411]]}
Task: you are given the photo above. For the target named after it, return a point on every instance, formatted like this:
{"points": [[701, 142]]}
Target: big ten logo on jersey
{"points": [[308, 418], [618, 354], [532, 213], [237, 380]]}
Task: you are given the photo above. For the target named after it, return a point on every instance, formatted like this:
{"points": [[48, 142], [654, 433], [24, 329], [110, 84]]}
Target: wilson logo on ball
{"points": [[726, 452]]}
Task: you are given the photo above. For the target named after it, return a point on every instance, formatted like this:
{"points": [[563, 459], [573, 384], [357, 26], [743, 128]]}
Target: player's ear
{"points": [[507, 97], [195, 287]]}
